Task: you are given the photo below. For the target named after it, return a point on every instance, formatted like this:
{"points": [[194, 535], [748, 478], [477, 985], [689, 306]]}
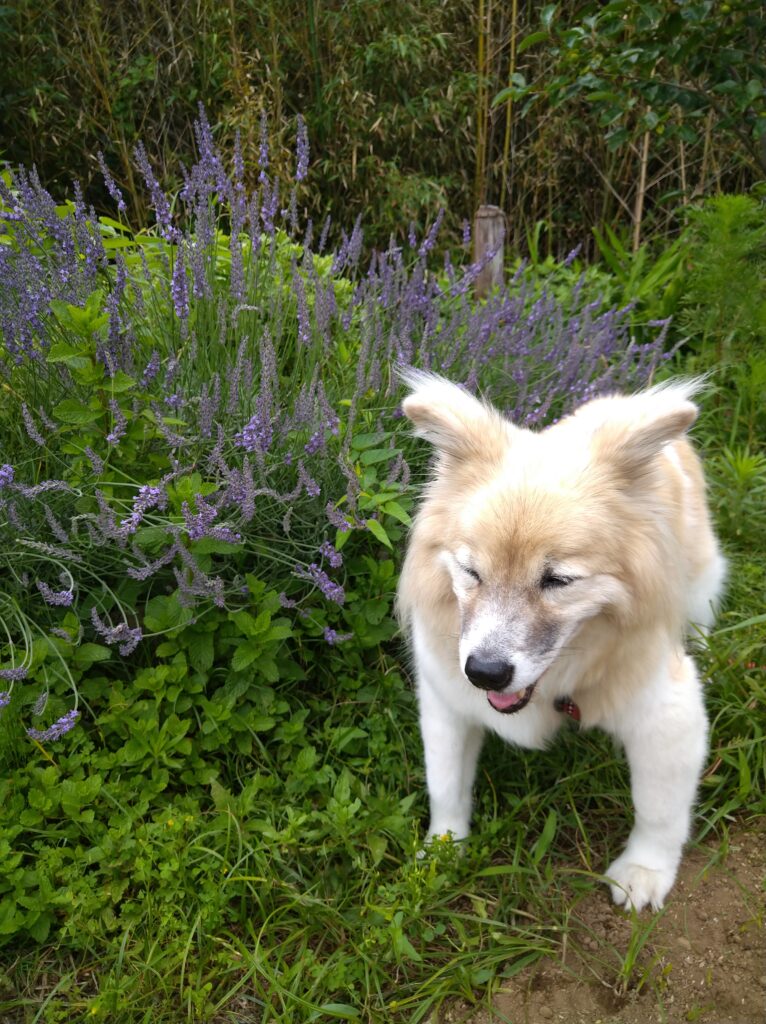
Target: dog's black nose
{"points": [[487, 673]]}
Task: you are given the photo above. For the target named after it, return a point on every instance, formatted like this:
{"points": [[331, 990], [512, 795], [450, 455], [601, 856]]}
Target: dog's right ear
{"points": [[454, 422]]}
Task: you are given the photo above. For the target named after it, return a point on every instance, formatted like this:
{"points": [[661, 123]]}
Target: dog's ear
{"points": [[454, 422], [631, 431]]}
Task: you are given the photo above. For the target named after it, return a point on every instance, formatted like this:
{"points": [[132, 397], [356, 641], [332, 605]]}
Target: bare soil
{"points": [[702, 958]]}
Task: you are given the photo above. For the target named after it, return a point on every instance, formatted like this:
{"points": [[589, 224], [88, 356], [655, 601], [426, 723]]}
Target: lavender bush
{"points": [[212, 400]]}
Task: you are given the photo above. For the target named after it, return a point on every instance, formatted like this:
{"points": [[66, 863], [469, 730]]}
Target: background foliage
{"points": [[577, 113]]}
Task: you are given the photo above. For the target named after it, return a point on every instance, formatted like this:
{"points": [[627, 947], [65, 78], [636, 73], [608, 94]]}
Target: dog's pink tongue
{"points": [[501, 701]]}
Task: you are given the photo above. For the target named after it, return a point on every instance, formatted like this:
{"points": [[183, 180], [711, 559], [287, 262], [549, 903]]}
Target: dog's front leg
{"points": [[664, 731], [452, 747]]}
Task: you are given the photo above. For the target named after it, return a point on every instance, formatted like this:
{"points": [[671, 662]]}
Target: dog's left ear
{"points": [[453, 421], [634, 430]]}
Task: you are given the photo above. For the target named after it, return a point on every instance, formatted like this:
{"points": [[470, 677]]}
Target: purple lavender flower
{"points": [[148, 569], [148, 497], [329, 588], [62, 634], [302, 151], [32, 431], [46, 487], [95, 460], [337, 519], [466, 233], [6, 475], [62, 598], [308, 482], [209, 402], [120, 423], [159, 199], [59, 728], [269, 206], [179, 288], [13, 675], [175, 401], [430, 240], [111, 185], [121, 634], [335, 558], [332, 637], [201, 524], [57, 529], [152, 369], [315, 443], [257, 434], [263, 148], [572, 256], [5, 699]]}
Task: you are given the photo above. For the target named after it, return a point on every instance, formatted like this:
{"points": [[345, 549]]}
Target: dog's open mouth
{"points": [[509, 703]]}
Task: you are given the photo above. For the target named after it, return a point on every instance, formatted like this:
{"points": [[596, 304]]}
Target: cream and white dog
{"points": [[559, 571]]}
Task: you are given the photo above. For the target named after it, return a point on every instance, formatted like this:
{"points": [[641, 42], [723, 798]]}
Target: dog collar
{"points": [[567, 707]]}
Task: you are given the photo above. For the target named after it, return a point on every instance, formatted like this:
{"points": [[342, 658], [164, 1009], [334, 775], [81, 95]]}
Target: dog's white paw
{"points": [[635, 887]]}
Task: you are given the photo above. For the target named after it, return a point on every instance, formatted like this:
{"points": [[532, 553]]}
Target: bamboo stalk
{"points": [[705, 153], [638, 209], [509, 107], [481, 108]]}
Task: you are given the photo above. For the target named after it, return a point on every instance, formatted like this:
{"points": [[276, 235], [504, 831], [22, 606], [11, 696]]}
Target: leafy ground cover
{"points": [[212, 790]]}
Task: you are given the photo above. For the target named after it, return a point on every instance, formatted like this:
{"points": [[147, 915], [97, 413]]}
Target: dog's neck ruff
{"points": [[567, 707]]}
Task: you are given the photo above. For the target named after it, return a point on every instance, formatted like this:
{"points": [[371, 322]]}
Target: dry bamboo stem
{"points": [[506, 201], [638, 209]]}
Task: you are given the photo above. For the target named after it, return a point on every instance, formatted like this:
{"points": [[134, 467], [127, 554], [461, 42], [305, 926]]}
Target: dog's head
{"points": [[538, 533]]}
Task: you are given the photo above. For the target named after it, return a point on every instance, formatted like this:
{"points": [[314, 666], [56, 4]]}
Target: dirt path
{"points": [[704, 958]]}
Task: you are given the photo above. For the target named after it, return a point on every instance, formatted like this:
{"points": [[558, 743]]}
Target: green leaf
{"points": [[546, 838], [279, 631], [74, 412], [360, 441], [121, 382], [88, 654], [118, 243], [211, 546], [547, 15], [342, 1011], [375, 455], [72, 356], [393, 508], [341, 536], [165, 613], [200, 647], [244, 655], [531, 40], [375, 528], [250, 626], [112, 223]]}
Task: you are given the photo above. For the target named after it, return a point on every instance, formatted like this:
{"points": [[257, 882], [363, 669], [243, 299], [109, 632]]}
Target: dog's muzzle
{"points": [[495, 676]]}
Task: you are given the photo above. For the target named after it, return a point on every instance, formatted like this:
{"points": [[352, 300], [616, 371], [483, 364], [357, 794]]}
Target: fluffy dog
{"points": [[558, 571]]}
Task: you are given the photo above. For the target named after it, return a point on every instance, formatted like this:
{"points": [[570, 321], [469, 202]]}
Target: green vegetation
{"points": [[577, 114]]}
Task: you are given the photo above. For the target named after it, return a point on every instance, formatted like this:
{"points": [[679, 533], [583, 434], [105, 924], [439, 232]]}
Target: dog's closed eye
{"points": [[470, 572], [554, 581]]}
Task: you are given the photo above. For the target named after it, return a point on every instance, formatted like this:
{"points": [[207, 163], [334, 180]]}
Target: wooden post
{"points": [[488, 236]]}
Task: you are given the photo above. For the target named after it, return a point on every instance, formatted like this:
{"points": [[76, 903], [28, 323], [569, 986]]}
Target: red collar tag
{"points": [[567, 707]]}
